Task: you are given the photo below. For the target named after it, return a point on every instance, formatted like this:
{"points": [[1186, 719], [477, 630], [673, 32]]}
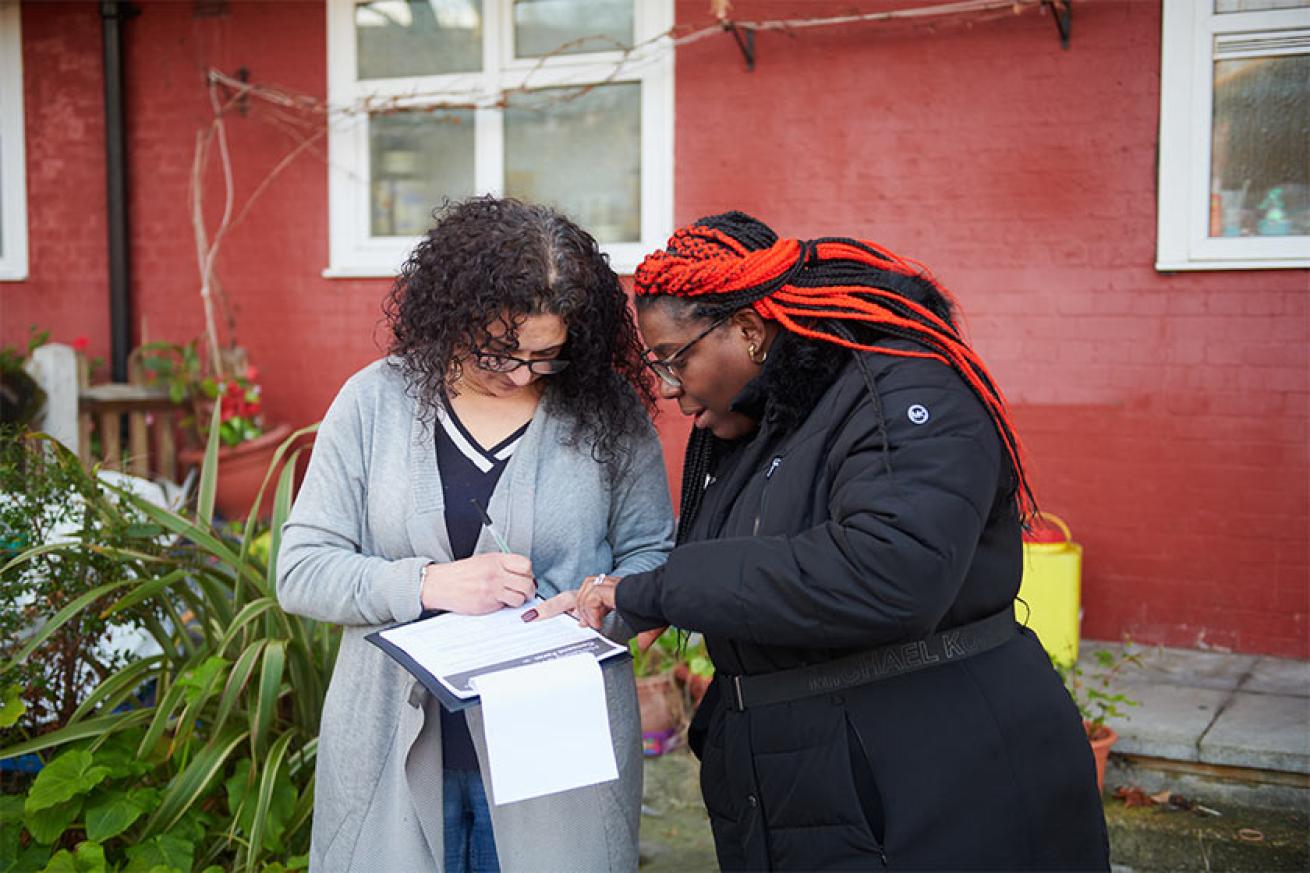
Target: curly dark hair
{"points": [[488, 258]]}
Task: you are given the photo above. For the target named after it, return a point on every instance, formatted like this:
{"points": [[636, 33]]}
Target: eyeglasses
{"points": [[497, 363], [666, 368]]}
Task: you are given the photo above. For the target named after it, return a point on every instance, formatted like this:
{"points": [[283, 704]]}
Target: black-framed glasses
{"points": [[498, 363], [667, 367]]}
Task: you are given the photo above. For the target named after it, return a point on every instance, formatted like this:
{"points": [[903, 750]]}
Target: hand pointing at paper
{"points": [[570, 601], [591, 604]]}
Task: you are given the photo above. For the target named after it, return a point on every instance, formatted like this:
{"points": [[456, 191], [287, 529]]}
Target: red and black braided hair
{"points": [[851, 293]]}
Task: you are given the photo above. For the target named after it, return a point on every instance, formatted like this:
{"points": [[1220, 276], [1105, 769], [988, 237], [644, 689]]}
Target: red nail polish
{"points": [[530, 615]]}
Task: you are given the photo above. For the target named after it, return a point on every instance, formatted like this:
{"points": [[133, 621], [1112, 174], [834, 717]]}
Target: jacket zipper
{"points": [[764, 495]]}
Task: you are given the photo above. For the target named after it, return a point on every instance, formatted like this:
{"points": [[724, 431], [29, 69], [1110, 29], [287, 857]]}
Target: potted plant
{"points": [[223, 376], [1097, 701], [246, 442], [658, 698]]}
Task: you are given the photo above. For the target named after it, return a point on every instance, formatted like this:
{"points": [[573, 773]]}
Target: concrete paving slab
{"points": [[1169, 720], [1221, 671], [1279, 676], [1268, 731]]}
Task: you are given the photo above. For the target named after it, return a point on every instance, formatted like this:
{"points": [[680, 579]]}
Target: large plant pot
{"points": [[660, 703], [241, 471], [658, 699], [1101, 738]]}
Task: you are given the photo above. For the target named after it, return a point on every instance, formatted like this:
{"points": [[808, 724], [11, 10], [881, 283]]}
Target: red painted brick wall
{"points": [[1166, 415], [66, 226]]}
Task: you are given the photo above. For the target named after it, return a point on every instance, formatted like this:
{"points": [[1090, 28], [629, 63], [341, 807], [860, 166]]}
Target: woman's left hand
{"points": [[596, 599]]}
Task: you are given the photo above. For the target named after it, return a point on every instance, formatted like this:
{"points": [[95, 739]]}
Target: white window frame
{"points": [[1190, 29], [13, 163], [352, 252]]}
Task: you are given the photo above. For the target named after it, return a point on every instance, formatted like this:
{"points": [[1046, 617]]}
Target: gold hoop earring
{"points": [[752, 349], [455, 371]]}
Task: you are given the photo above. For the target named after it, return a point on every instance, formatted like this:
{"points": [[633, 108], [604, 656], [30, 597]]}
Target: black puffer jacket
{"points": [[848, 522]]}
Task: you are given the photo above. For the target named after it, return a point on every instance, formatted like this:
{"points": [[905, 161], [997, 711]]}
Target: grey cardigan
{"points": [[368, 518]]}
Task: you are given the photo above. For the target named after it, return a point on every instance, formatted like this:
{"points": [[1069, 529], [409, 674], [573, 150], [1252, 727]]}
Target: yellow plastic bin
{"points": [[1050, 595]]}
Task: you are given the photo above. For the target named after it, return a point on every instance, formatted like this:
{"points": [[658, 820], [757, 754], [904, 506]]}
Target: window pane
{"points": [[1257, 5], [581, 155], [569, 27], [416, 160], [418, 37], [1260, 162]]}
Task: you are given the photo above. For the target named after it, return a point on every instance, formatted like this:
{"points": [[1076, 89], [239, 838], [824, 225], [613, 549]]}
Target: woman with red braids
{"points": [[849, 545]]}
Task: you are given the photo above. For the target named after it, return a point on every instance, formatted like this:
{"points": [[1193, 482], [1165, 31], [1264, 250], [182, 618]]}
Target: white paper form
{"points": [[547, 728], [456, 648]]}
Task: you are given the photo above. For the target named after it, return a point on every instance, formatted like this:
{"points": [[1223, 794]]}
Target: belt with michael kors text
{"points": [[884, 662]]}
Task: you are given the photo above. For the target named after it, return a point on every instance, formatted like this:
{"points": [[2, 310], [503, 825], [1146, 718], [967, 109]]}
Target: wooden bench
{"points": [[146, 408], [146, 412]]}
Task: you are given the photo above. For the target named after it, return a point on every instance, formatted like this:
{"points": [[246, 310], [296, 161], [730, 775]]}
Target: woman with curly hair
{"points": [[514, 383], [849, 544]]}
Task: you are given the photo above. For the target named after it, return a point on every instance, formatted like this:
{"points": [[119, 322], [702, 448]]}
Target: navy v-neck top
{"points": [[468, 472]]}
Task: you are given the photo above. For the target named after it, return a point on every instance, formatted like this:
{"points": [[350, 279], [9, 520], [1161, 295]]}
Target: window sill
{"points": [[1264, 264]]}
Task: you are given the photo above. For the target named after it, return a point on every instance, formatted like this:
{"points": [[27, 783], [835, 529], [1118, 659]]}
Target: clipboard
{"points": [[434, 687], [442, 686]]}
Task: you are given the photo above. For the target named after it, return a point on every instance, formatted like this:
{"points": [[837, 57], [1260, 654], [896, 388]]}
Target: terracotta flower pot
{"points": [[1101, 738], [241, 470], [659, 702]]}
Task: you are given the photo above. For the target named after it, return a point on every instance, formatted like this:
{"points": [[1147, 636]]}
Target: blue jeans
{"points": [[470, 844]]}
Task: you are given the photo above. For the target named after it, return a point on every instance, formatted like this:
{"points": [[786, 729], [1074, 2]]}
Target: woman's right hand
{"points": [[479, 584]]}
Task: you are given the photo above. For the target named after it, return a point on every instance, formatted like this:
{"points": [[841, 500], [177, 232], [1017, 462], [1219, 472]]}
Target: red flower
{"points": [[81, 343], [252, 373]]}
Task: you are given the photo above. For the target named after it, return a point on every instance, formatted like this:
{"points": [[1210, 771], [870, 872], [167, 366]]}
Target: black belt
{"points": [[896, 659]]}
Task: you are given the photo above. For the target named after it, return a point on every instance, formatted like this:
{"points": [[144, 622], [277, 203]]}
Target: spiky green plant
{"points": [[217, 770]]}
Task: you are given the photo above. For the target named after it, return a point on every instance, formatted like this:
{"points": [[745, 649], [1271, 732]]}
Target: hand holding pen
{"points": [[479, 584]]}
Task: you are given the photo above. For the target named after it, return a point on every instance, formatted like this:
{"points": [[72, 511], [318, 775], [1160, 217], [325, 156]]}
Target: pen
{"points": [[495, 534], [491, 528]]}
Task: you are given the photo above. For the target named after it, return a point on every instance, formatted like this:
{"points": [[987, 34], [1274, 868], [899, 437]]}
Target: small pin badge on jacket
{"points": [[918, 414]]}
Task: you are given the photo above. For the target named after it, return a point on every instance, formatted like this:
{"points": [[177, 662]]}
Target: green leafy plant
{"points": [[213, 769], [672, 648], [10, 356], [46, 497], [1093, 692], [661, 657], [697, 658]]}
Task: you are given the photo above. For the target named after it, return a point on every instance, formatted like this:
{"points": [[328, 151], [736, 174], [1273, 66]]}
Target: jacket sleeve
{"points": [[322, 573], [641, 514], [889, 560]]}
